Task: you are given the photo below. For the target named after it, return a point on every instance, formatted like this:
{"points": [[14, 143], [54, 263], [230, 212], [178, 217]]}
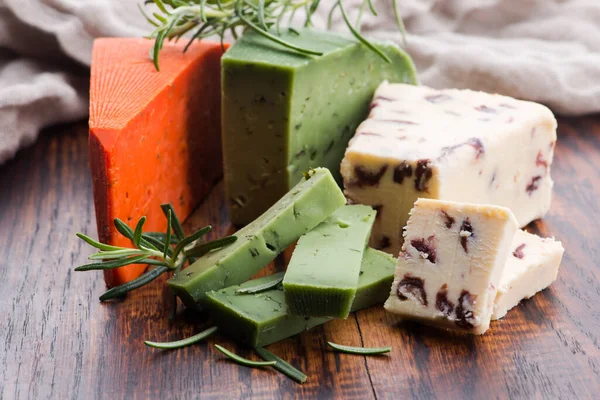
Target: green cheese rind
{"points": [[284, 112], [323, 272], [261, 319], [299, 211]]}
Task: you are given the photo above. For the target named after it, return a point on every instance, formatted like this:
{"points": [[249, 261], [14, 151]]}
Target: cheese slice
{"points": [[531, 266], [456, 145], [452, 261]]}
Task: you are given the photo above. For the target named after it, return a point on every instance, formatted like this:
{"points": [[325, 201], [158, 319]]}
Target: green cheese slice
{"points": [[322, 275], [284, 112], [299, 211], [261, 319]]}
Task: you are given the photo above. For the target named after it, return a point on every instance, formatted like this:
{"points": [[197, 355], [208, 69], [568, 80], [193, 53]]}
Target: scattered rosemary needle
{"points": [[215, 18], [183, 342], [242, 360], [281, 365], [260, 288], [159, 250], [365, 351]]}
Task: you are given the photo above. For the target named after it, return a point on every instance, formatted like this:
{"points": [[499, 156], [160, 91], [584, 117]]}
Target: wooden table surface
{"points": [[58, 341]]}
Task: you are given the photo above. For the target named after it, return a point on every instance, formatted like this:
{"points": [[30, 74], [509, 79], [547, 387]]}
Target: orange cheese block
{"points": [[155, 137]]}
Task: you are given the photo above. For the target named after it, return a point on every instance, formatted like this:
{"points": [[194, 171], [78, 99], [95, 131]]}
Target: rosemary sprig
{"points": [[121, 290], [173, 221], [217, 17], [281, 365], [242, 360], [156, 249], [183, 342], [365, 351]]}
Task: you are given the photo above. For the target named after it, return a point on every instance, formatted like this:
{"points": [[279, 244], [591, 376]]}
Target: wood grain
{"points": [[58, 341]]}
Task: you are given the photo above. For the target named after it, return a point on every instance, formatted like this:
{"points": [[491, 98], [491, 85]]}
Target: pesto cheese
{"points": [[262, 318], [300, 210], [284, 112], [322, 275]]}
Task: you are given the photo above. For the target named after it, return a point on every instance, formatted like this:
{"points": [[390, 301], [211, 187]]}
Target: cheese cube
{"points": [[531, 266], [456, 145], [451, 265], [284, 112], [323, 272]]}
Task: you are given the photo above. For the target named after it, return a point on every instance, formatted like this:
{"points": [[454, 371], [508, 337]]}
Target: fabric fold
{"points": [[542, 50]]}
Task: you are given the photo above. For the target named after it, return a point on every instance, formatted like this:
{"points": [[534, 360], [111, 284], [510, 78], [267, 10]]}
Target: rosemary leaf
{"points": [[168, 237], [159, 17], [281, 365], [366, 351], [152, 242], [161, 6], [330, 16], [123, 228], [188, 240], [151, 261], [158, 43], [194, 37], [260, 288], [372, 7], [119, 291], [399, 21], [137, 233], [310, 10], [284, 11], [273, 37], [126, 231], [150, 20], [360, 37], [114, 254], [261, 14], [177, 227], [160, 236], [98, 245], [244, 361], [202, 249], [361, 11], [119, 262], [184, 342]]}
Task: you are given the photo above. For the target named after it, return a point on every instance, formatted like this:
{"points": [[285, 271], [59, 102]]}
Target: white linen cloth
{"points": [[542, 50]]}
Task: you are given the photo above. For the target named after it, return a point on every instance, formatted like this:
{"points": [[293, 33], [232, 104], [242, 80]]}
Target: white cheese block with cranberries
{"points": [[457, 145], [451, 264]]}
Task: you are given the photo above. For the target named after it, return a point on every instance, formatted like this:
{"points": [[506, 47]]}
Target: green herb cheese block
{"points": [[284, 112], [261, 319], [312, 200], [322, 275]]}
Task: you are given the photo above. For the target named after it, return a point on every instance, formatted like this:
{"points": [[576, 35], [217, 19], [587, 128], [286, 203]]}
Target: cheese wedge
{"points": [[453, 258], [154, 136], [531, 266]]}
